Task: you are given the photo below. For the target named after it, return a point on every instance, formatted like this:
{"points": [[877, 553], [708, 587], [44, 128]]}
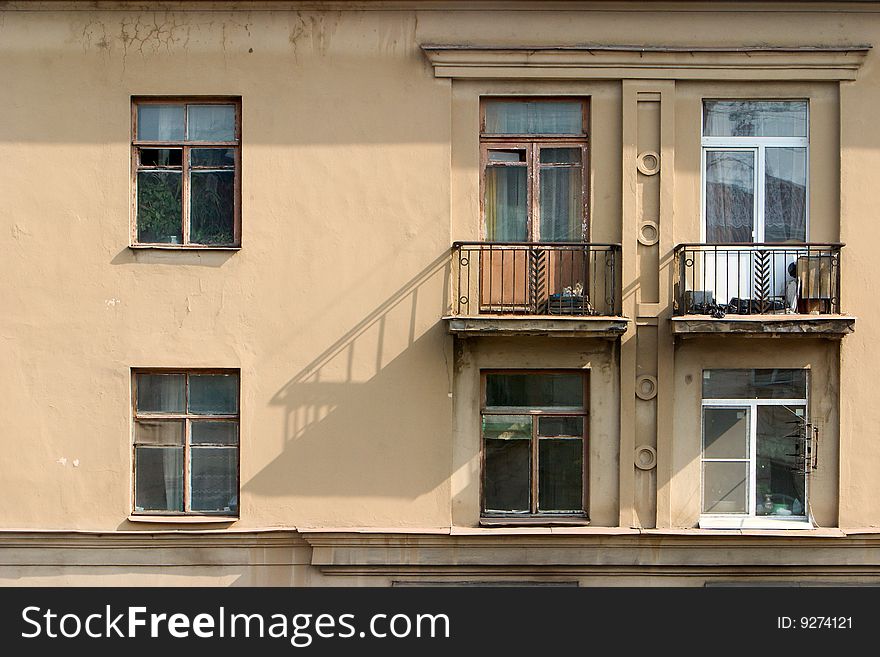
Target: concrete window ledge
{"points": [[183, 520]]}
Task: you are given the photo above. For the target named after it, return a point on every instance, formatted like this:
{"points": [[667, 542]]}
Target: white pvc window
{"points": [[754, 448], [755, 164]]}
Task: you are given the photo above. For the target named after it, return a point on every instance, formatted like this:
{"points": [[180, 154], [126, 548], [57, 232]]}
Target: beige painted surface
{"points": [[360, 168]]}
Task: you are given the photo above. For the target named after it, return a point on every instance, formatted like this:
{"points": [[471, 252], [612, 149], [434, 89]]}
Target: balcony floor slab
{"points": [[593, 326], [822, 326]]}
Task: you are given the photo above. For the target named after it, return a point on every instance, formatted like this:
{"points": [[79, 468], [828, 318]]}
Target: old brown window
{"points": [[534, 161], [186, 170], [534, 431], [185, 441]]}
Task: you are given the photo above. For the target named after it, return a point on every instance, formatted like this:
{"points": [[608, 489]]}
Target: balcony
{"points": [[759, 289], [564, 289]]}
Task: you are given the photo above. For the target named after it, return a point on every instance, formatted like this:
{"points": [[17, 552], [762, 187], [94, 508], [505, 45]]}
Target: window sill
{"points": [[182, 520], [533, 521], [182, 247], [710, 522]]}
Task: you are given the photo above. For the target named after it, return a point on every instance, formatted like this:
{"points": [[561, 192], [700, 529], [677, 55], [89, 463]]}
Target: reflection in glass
{"points": [[160, 393], [535, 390], [755, 384], [160, 122], [216, 433], [507, 468], [212, 157], [550, 425], [210, 122], [781, 462], [730, 196], [158, 432], [725, 433], [724, 487], [506, 204], [560, 474], [211, 394], [507, 155], [749, 118], [214, 479], [159, 478], [785, 195], [159, 207], [212, 207], [534, 118]]}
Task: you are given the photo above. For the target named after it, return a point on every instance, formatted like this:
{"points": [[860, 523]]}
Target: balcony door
{"points": [[534, 161], [755, 194]]}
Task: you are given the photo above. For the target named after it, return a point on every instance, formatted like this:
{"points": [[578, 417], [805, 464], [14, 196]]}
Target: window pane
{"points": [[212, 157], [560, 474], [506, 204], [725, 433], [535, 390], [755, 384], [213, 393], [747, 118], [730, 196], [159, 479], [160, 122], [161, 157], [724, 487], [780, 464], [560, 426], [213, 207], [158, 432], [562, 204], [158, 211], [513, 155], [785, 195], [561, 155], [534, 118], [214, 479], [210, 122], [160, 393], [217, 433], [507, 467], [507, 427]]}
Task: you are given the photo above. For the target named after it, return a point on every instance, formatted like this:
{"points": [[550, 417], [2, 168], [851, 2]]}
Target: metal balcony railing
{"points": [[535, 278], [757, 279]]}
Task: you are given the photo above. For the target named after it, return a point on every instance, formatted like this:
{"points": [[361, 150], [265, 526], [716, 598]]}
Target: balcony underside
{"points": [[593, 326], [817, 326]]}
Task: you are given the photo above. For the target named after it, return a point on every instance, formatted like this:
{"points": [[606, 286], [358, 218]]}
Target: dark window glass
{"points": [[755, 384], [538, 390]]}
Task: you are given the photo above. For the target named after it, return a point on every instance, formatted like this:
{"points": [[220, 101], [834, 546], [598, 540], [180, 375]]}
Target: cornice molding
{"points": [[590, 62]]}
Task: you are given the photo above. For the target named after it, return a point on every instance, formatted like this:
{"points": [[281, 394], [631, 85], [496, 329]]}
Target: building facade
{"points": [[401, 293]]}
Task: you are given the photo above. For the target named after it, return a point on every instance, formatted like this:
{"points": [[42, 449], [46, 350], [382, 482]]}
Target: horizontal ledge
{"points": [[757, 523], [767, 325], [182, 520], [534, 521], [595, 61], [180, 247], [641, 49], [600, 326]]}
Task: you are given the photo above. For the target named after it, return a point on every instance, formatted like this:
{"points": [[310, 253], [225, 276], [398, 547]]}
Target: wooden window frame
{"points": [[532, 145], [185, 145], [583, 412], [187, 419]]}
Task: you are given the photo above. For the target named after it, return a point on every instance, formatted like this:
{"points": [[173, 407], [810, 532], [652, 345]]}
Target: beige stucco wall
{"points": [[359, 170]]}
